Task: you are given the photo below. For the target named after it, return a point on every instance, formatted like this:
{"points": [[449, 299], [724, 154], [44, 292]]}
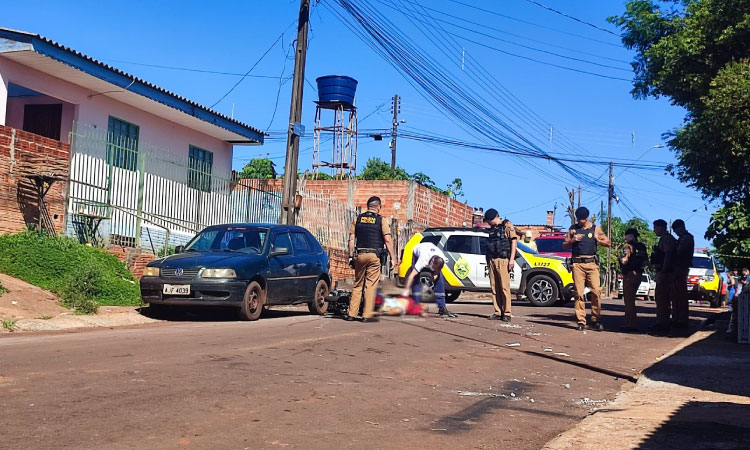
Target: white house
{"points": [[141, 156]]}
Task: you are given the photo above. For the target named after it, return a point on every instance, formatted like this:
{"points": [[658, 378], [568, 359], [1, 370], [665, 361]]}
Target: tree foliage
{"points": [[617, 236], [259, 168], [697, 53], [730, 231], [377, 169]]}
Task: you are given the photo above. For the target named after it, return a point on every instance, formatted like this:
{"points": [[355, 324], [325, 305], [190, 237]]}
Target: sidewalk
{"points": [[697, 396]]}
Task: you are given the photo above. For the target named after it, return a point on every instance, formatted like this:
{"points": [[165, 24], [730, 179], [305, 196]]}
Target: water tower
{"points": [[336, 94]]}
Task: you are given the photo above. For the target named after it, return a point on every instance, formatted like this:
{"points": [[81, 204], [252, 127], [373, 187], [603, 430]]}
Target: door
{"points": [[459, 248], [309, 265], [483, 271], [44, 120], [282, 271]]}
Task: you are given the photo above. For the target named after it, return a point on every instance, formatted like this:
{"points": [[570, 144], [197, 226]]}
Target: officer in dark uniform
{"points": [[368, 235], [633, 260], [583, 238], [663, 260], [501, 256], [683, 261]]}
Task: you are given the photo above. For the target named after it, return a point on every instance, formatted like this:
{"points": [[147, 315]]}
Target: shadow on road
{"points": [[703, 425], [213, 314]]}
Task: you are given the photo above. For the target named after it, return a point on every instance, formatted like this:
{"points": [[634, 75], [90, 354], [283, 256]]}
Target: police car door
{"points": [[462, 259]]}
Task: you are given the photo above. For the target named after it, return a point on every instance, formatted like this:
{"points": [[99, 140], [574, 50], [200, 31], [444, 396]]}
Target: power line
{"points": [[248, 72], [191, 69], [573, 18], [534, 24]]}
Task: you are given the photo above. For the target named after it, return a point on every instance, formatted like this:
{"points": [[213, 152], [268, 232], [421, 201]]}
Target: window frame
{"points": [[303, 237], [118, 155], [197, 178]]}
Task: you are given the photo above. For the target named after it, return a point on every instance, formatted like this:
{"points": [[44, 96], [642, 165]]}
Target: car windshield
{"points": [[550, 246], [229, 239], [644, 278], [526, 248], [701, 262]]}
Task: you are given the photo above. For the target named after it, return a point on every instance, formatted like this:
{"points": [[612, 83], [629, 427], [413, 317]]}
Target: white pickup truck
{"points": [[646, 289]]}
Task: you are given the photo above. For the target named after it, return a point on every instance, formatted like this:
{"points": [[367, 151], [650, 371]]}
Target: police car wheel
{"points": [[542, 291], [451, 296], [319, 304]]}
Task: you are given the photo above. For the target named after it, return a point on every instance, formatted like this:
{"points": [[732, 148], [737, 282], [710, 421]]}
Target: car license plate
{"points": [[176, 289]]}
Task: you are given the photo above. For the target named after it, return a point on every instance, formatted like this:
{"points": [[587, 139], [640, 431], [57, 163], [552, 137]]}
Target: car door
{"points": [[282, 270], [308, 265], [483, 272]]}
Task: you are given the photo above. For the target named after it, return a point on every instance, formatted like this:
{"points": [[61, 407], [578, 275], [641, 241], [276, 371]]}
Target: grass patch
{"points": [[84, 277], [2, 289], [8, 324]]}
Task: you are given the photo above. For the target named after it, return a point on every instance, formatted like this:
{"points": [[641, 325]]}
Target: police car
{"points": [[541, 279], [704, 282]]}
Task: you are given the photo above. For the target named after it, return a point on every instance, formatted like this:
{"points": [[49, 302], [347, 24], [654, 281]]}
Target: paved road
{"points": [[292, 380]]}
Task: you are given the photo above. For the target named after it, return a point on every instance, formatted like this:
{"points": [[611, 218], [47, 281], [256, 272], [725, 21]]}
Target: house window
{"points": [[122, 144], [200, 168]]}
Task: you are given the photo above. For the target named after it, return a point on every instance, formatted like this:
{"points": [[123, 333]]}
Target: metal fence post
{"points": [[139, 204]]}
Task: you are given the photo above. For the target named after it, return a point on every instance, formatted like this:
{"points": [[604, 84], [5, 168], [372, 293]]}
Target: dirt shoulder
{"points": [[28, 308]]}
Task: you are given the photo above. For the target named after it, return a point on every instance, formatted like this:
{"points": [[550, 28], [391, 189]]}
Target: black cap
{"points": [[490, 214], [660, 223], [632, 231], [373, 201], [582, 213], [678, 224]]}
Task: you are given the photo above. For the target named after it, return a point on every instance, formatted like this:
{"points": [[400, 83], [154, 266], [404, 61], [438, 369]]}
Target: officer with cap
{"points": [[683, 261], [663, 260], [368, 235], [584, 237], [633, 260], [501, 256]]}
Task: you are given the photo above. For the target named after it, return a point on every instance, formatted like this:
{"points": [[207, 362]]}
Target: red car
{"points": [[551, 244]]}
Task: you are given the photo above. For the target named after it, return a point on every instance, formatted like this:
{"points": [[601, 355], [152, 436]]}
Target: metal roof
{"points": [[14, 43]]}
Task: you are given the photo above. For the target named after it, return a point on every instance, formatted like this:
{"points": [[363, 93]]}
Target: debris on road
{"points": [[515, 344]]}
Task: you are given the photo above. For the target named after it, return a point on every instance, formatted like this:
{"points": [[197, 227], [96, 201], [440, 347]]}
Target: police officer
{"points": [[663, 260], [633, 260], [584, 237], [683, 261], [501, 256], [368, 235]]}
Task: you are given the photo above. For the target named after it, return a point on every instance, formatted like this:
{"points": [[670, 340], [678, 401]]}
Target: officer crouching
{"points": [[584, 238], [369, 236]]}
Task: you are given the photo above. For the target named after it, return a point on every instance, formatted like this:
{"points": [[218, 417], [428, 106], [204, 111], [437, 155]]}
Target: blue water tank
{"points": [[336, 89]]}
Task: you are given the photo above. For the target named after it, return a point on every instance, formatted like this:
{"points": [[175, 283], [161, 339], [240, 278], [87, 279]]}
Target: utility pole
{"points": [[579, 195], [396, 109], [609, 226], [289, 195]]}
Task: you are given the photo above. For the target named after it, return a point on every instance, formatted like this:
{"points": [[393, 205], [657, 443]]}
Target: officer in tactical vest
{"points": [[501, 256], [583, 238], [663, 260], [633, 260], [369, 235]]}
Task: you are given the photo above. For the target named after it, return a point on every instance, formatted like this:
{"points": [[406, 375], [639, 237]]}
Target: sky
{"points": [[510, 43]]}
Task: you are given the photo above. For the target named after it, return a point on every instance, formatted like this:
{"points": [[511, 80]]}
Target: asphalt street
{"points": [[292, 380]]}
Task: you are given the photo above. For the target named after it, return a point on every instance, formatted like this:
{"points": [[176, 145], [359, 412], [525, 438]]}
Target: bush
{"points": [[2, 289], [61, 265], [81, 289]]}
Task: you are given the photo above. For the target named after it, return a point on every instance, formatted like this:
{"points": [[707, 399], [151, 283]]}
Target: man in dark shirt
{"points": [[683, 261], [663, 260]]}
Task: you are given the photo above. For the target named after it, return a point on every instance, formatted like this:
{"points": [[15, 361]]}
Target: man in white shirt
{"points": [[427, 257]]}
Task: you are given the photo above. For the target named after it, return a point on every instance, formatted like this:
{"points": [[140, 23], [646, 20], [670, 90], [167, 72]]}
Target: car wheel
{"points": [[715, 300], [542, 291], [619, 295], [319, 305], [451, 296], [252, 303]]}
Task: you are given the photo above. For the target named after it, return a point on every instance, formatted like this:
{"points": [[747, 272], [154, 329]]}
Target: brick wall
{"points": [[428, 207], [134, 260], [18, 199], [340, 270]]}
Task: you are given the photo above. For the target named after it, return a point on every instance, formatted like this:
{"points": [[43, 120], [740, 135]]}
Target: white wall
{"points": [[95, 110]]}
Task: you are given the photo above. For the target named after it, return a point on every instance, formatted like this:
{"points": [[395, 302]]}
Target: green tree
{"points": [[730, 231], [455, 189], [262, 168], [377, 169], [646, 235], [697, 53]]}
